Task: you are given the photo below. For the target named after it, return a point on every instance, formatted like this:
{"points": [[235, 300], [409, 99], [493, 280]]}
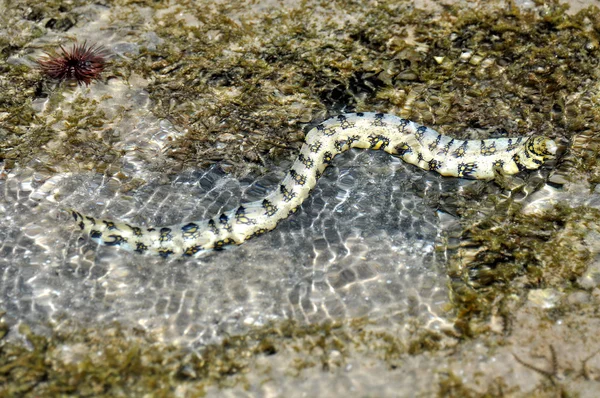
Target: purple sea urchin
{"points": [[82, 62]]}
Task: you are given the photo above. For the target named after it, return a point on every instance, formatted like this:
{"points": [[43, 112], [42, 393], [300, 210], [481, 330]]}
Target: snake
{"points": [[415, 144]]}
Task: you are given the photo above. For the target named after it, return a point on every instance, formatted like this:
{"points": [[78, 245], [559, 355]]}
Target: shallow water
{"points": [[368, 244], [361, 246]]}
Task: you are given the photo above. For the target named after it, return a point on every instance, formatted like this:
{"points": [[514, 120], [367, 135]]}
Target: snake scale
{"points": [[415, 144]]}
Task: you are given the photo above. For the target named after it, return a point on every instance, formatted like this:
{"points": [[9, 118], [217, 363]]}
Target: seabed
{"points": [[390, 281]]}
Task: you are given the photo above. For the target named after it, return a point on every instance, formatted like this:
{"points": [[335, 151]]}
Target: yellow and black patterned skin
{"points": [[415, 144]]}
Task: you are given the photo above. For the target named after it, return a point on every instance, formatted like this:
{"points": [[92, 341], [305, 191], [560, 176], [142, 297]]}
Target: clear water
{"points": [[361, 246], [364, 245]]}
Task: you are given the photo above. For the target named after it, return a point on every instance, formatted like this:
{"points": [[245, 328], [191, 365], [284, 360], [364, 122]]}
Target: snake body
{"points": [[415, 144]]}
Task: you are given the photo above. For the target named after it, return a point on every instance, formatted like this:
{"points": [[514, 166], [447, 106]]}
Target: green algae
{"points": [[452, 386], [24, 133], [116, 362], [20, 132], [242, 84], [507, 253], [253, 81]]}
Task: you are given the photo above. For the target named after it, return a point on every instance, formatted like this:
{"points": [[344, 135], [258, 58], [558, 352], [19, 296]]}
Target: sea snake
{"points": [[415, 144]]}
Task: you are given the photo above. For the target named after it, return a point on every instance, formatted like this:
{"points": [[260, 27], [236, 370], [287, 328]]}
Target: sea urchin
{"points": [[81, 62]]}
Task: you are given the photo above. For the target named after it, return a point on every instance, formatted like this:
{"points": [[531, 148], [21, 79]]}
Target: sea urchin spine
{"points": [[81, 62]]}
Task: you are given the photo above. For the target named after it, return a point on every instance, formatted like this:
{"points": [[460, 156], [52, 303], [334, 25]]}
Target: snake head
{"points": [[540, 147], [535, 151]]}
